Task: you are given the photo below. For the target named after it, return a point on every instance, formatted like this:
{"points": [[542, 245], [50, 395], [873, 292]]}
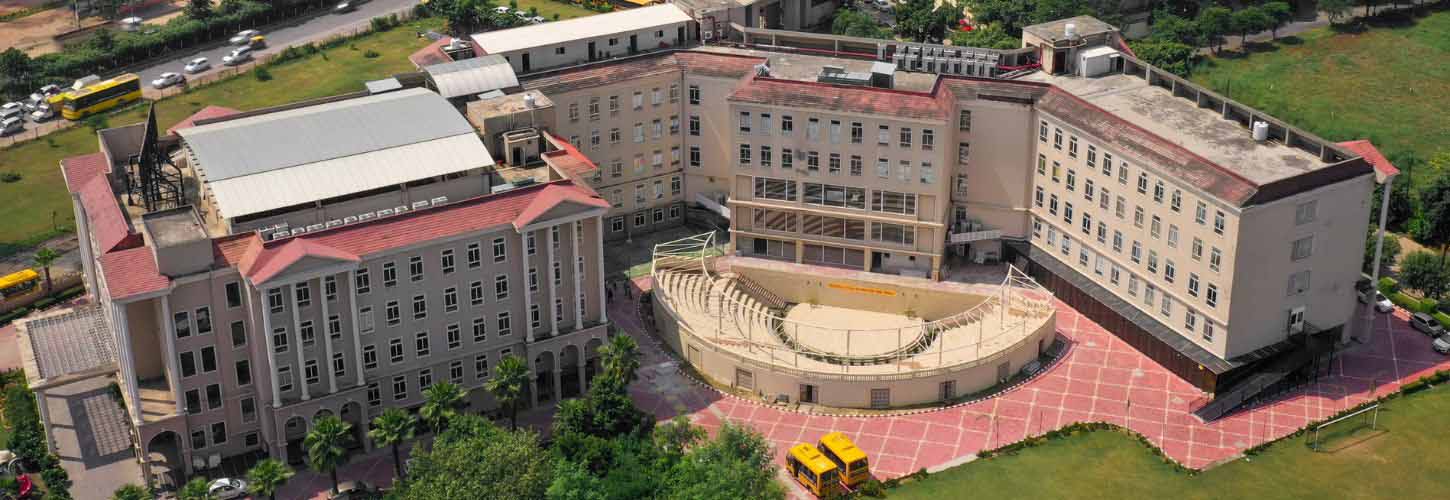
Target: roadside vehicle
{"points": [[11, 110], [11, 125], [850, 460], [50, 90], [344, 7], [88, 98], [238, 56], [356, 490], [1381, 304], [1442, 344], [227, 488], [35, 101], [41, 114], [502, 9], [523, 16], [197, 65], [167, 80], [813, 470], [1426, 324], [243, 37], [18, 282], [537, 20], [257, 42]]}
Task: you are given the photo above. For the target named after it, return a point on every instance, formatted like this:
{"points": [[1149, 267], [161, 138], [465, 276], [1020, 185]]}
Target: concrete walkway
{"points": [[92, 438]]}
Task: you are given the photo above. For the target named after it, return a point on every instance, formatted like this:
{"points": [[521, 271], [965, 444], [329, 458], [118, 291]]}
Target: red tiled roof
{"points": [[206, 113], [842, 98], [1382, 166], [363, 239], [86, 177], [270, 262], [132, 272], [228, 251], [568, 160]]}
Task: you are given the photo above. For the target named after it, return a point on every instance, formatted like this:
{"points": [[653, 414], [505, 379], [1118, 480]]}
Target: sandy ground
{"points": [[35, 34]]}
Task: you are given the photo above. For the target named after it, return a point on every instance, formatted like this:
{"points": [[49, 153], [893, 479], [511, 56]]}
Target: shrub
{"points": [[56, 479], [262, 74], [8, 177], [873, 488], [371, 54], [1389, 286]]}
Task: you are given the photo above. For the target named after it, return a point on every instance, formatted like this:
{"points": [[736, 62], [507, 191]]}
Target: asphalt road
{"points": [[314, 29]]}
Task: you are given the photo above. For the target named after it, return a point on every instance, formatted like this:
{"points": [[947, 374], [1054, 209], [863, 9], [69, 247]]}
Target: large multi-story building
{"points": [[334, 257], [320, 239]]}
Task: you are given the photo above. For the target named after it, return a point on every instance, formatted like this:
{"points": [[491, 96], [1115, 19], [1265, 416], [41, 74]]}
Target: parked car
{"points": [[244, 36], [1381, 303], [537, 20], [257, 42], [35, 101], [167, 80], [50, 90], [11, 125], [523, 16], [239, 55], [344, 7], [10, 109], [502, 9], [355, 490], [1426, 324], [197, 65], [1442, 344], [227, 488], [41, 114]]}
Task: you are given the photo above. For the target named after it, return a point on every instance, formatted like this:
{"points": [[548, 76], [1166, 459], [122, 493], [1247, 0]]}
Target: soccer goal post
{"points": [[1370, 413]]}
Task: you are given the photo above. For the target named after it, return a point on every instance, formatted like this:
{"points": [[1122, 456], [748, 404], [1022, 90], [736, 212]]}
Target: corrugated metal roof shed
{"points": [[295, 156], [472, 76], [543, 35], [310, 134]]}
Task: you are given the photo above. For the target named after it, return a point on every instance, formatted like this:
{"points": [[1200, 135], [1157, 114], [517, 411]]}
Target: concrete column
{"points": [[553, 290], [356, 333], [866, 266], [599, 274], [583, 361], [558, 377], [1379, 245], [173, 376], [271, 349], [800, 251], [128, 363], [297, 334], [327, 337], [936, 268], [528, 295], [577, 273]]}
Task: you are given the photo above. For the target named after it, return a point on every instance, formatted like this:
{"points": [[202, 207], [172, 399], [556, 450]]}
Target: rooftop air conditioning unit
{"points": [[400, 209], [385, 212], [439, 200], [280, 235], [334, 223], [349, 219], [420, 204], [314, 227], [298, 230]]}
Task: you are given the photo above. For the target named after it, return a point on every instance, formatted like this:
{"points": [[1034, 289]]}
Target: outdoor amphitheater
{"points": [[841, 338]]}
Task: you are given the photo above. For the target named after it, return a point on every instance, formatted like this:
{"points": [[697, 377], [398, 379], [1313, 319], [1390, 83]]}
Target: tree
{"points": [[267, 477], [1391, 248], [14, 62], [986, 36], [1250, 20], [922, 21], [1213, 23], [677, 435], [1434, 227], [1167, 55], [1010, 14], [390, 429], [510, 378], [1280, 13], [1336, 9], [852, 22], [1402, 203], [441, 402], [1171, 28], [326, 446], [198, 9], [474, 459], [1426, 272], [620, 359], [132, 492], [737, 464], [196, 489], [103, 40], [44, 258]]}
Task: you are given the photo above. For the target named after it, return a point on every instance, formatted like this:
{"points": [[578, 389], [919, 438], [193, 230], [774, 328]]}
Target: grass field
{"points": [[1405, 458], [1390, 84]]}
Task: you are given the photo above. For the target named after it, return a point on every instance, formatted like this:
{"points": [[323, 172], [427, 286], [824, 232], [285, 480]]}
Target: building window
{"points": [[375, 395], [480, 330], [1302, 248], [395, 351], [279, 340], [400, 388], [1305, 212], [181, 324], [455, 336], [505, 324], [362, 281], [1214, 258], [421, 345], [420, 306], [1211, 297], [694, 92], [370, 357], [310, 372], [284, 378], [304, 294], [390, 274], [234, 295], [1298, 283], [239, 334], [450, 300], [309, 336], [1218, 222], [501, 287]]}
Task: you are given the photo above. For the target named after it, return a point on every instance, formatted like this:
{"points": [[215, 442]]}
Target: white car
{"points": [[197, 65], [50, 90], [244, 37], [227, 488], [11, 126], [523, 16], [537, 20], [11, 110], [502, 9], [167, 80], [238, 56], [41, 114], [1381, 304]]}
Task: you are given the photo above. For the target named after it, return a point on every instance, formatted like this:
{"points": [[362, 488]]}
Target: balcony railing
{"points": [[967, 231]]}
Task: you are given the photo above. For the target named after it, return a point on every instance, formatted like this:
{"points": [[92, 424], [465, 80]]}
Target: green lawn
{"points": [[548, 8], [30, 203], [1406, 458], [1389, 84]]}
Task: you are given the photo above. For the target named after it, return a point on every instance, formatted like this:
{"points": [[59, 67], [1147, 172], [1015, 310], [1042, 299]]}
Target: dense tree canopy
{"points": [[852, 22], [987, 36]]}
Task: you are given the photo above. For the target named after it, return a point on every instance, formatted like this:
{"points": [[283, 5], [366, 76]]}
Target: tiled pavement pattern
{"points": [[1099, 379]]}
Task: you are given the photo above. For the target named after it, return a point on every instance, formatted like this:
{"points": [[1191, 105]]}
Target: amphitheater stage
{"points": [[840, 330]]}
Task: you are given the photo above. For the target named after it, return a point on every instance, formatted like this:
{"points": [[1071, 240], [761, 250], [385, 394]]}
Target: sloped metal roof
{"points": [[472, 76], [309, 134], [581, 28]]}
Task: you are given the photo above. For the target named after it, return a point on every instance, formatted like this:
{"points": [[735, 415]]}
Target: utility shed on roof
{"points": [[300, 155], [472, 76], [550, 33]]}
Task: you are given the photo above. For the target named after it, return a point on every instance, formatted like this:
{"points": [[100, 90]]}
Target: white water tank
{"points": [[1070, 31], [1261, 131], [529, 100]]}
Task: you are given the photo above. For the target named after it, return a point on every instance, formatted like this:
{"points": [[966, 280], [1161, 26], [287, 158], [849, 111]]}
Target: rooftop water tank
{"points": [[1070, 31], [1261, 131]]}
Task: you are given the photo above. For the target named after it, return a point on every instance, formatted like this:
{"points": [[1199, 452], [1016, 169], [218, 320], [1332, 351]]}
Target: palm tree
{"points": [[507, 385], [441, 402], [196, 489], [326, 446], [131, 492], [390, 429], [44, 258], [267, 477], [620, 359]]}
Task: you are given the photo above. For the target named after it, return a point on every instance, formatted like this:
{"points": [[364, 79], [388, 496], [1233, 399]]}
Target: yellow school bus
{"points": [[849, 459], [18, 283], [97, 97], [813, 470]]}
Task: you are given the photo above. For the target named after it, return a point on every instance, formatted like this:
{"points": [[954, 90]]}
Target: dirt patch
{"points": [[8, 6]]}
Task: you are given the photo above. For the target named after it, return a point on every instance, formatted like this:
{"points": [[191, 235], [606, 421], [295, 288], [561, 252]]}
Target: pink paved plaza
{"points": [[1098, 379]]}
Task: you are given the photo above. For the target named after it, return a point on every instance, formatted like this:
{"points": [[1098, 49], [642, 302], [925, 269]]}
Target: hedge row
{"points": [[42, 304], [28, 440]]}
